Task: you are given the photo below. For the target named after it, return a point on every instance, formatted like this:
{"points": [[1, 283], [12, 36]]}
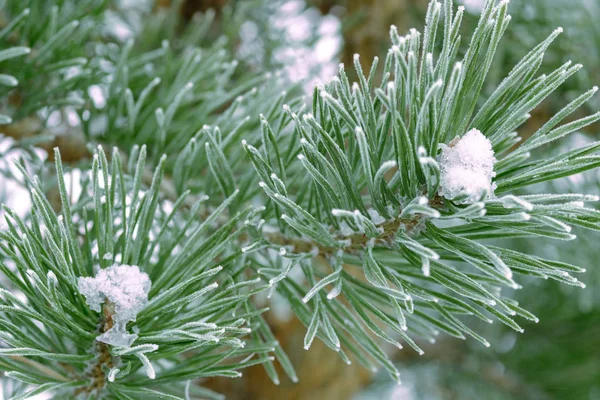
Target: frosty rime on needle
{"points": [[125, 289], [467, 168]]}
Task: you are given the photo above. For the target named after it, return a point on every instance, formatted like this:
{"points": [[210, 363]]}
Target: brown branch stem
{"points": [[357, 241], [104, 358]]}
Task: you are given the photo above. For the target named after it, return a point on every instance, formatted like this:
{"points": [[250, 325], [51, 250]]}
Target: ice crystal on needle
{"points": [[467, 167], [124, 290]]}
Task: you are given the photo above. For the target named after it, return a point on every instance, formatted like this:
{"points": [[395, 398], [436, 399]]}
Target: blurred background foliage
{"points": [[556, 359]]}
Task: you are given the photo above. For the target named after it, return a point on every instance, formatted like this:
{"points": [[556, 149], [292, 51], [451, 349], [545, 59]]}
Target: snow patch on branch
{"points": [[124, 290], [467, 168]]}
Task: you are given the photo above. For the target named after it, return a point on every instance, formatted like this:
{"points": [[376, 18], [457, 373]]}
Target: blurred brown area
{"points": [[369, 34], [321, 372], [71, 143], [324, 6], [190, 7]]}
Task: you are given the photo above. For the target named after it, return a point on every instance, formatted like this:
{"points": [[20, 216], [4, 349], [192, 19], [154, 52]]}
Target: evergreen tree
{"points": [[383, 212]]}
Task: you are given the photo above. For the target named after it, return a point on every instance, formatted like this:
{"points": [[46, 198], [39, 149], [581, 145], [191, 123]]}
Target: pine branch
{"points": [[352, 243], [357, 134]]}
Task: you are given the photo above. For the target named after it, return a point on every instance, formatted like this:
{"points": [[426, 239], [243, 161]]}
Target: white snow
{"points": [[375, 216], [124, 288], [474, 6], [467, 168]]}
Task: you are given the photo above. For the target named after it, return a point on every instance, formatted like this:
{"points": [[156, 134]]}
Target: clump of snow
{"points": [[467, 168], [122, 288], [345, 229], [474, 6], [375, 216]]}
